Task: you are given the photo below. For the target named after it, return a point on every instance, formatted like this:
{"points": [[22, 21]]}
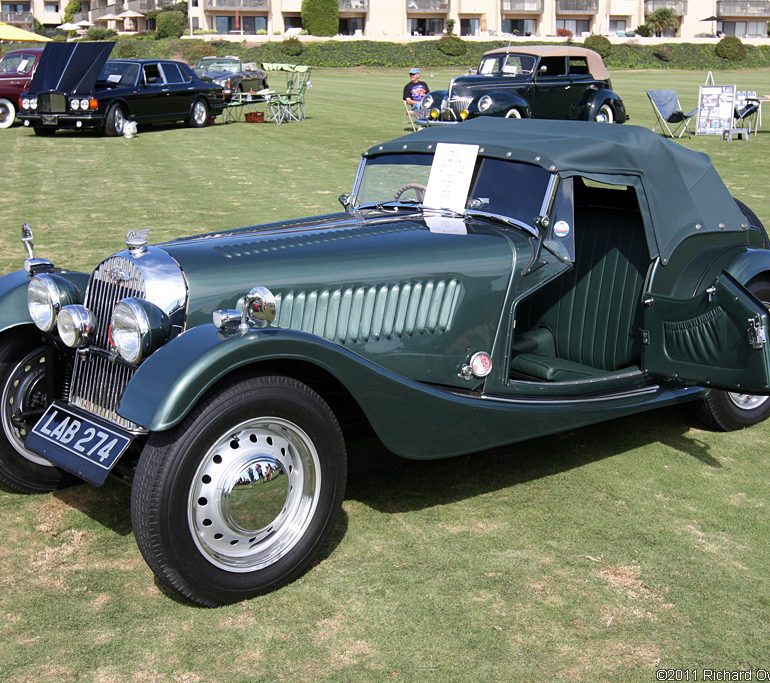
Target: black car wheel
{"points": [[605, 114], [239, 498], [513, 114], [728, 411], [114, 121], [7, 113], [44, 132], [24, 398], [199, 115]]}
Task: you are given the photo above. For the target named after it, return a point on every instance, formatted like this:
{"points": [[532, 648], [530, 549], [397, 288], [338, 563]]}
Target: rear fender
{"points": [[597, 99], [749, 265]]}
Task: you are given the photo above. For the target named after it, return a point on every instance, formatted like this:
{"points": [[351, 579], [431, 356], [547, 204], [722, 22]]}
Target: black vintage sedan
{"points": [[232, 74], [537, 82], [76, 87]]}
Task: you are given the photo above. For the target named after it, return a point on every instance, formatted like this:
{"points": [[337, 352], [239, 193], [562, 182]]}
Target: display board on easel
{"points": [[716, 105]]}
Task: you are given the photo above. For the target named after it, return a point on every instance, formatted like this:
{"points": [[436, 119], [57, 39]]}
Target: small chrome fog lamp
{"points": [[464, 114], [46, 295], [138, 328], [434, 113], [76, 326], [258, 308]]}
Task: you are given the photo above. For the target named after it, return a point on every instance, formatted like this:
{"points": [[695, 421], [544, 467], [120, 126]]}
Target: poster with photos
{"points": [[715, 109]]}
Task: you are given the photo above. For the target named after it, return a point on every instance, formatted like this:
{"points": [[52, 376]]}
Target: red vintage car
{"points": [[16, 70]]}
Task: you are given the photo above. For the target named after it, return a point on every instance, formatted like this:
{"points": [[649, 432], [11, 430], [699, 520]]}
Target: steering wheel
{"points": [[419, 191]]}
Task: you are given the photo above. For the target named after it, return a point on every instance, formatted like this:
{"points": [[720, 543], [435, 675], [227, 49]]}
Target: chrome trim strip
{"points": [[572, 400]]}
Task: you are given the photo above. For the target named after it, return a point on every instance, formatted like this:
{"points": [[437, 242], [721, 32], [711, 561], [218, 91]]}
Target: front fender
{"points": [[412, 419], [502, 103], [595, 101]]}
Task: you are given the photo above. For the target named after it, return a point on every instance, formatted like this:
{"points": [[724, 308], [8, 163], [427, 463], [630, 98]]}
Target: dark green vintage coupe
{"points": [[487, 283]]}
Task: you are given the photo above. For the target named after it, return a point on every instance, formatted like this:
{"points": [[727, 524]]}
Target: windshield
{"points": [[507, 65], [17, 64], [506, 188], [119, 73], [219, 64]]}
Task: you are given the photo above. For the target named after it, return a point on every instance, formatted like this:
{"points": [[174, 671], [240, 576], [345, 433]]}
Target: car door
{"points": [[179, 93], [148, 102], [716, 339], [555, 93]]}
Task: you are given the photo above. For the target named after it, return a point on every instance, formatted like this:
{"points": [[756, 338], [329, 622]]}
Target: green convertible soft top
{"points": [[683, 191]]}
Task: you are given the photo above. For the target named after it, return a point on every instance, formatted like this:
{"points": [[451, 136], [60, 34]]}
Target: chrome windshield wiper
{"points": [[475, 213], [392, 204]]}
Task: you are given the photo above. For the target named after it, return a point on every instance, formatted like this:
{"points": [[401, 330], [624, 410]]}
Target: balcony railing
{"points": [[679, 6], [743, 8], [522, 6], [16, 18], [427, 6], [577, 6], [236, 4], [354, 5]]}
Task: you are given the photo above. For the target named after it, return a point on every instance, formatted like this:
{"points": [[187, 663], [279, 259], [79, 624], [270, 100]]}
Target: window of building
{"points": [[426, 27], [349, 26], [291, 21], [576, 26], [519, 27], [194, 3], [470, 26], [617, 25], [16, 7], [248, 24], [51, 7], [196, 23], [743, 29]]}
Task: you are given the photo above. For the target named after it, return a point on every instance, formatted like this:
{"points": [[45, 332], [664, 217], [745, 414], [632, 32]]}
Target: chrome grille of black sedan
{"points": [[98, 382], [458, 104], [51, 103]]}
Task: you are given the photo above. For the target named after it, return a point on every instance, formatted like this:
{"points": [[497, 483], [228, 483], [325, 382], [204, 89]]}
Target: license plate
{"points": [[79, 443], [50, 119]]}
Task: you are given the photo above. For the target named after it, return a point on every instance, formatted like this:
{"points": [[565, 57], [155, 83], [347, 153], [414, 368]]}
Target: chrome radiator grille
{"points": [[98, 382], [51, 103], [458, 104]]}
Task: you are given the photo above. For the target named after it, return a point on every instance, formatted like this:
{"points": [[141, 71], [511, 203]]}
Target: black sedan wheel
{"points": [[7, 113], [114, 121], [728, 411], [239, 498], [199, 115], [605, 114], [22, 402]]}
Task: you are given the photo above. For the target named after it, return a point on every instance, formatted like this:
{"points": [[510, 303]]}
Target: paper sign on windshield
{"points": [[449, 183]]}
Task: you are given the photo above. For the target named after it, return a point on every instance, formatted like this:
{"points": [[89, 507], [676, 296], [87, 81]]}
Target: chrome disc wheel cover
{"points": [[513, 114], [605, 114], [199, 113], [746, 401], [119, 120], [24, 390], [254, 494]]}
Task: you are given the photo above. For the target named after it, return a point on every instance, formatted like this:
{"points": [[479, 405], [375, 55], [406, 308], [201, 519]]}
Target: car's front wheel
{"points": [[239, 498], [605, 114], [115, 121], [728, 411], [7, 113], [513, 114], [23, 400], [199, 115]]}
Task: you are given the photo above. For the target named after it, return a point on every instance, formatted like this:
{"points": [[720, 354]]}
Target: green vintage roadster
{"points": [[517, 279]]}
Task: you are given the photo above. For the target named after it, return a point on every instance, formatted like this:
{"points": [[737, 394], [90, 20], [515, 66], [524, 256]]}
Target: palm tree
{"points": [[662, 20]]}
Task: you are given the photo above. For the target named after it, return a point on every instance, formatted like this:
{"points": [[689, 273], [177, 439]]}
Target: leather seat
{"points": [[586, 323]]}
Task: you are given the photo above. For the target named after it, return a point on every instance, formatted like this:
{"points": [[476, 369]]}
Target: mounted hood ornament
{"points": [[31, 264], [27, 240], [137, 240]]}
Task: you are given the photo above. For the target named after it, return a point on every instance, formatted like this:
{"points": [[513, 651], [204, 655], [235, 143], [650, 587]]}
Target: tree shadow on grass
{"points": [[392, 484]]}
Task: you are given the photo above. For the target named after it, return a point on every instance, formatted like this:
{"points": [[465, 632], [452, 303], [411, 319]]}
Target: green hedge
{"points": [[348, 53]]}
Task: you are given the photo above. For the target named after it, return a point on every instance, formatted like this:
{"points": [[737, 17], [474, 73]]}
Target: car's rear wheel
{"points": [[513, 114], [199, 114], [44, 132], [23, 399], [239, 498], [7, 113], [605, 114], [728, 411], [114, 121]]}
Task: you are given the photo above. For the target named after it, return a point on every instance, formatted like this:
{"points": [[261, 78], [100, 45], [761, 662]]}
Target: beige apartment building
{"points": [[396, 19]]}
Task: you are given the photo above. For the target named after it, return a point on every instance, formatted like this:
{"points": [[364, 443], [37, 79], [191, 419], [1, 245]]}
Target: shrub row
{"points": [[437, 53]]}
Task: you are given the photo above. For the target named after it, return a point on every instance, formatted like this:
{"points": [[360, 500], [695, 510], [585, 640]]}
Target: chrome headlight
{"points": [[426, 102], [138, 328], [75, 103], [84, 103], [485, 102], [33, 103], [25, 103], [46, 294], [76, 325]]}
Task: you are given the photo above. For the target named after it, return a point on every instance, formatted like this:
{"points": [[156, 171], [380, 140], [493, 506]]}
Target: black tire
{"points": [[267, 439], [199, 114], [728, 411], [44, 132], [22, 387], [114, 121], [753, 219]]}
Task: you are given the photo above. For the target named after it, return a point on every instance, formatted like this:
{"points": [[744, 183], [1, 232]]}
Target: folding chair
{"points": [[746, 113], [671, 119]]}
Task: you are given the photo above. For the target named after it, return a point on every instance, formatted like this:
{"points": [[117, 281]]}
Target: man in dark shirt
{"points": [[415, 90]]}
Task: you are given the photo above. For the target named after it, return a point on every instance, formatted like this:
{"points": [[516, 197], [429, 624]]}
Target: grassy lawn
{"points": [[598, 554]]}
